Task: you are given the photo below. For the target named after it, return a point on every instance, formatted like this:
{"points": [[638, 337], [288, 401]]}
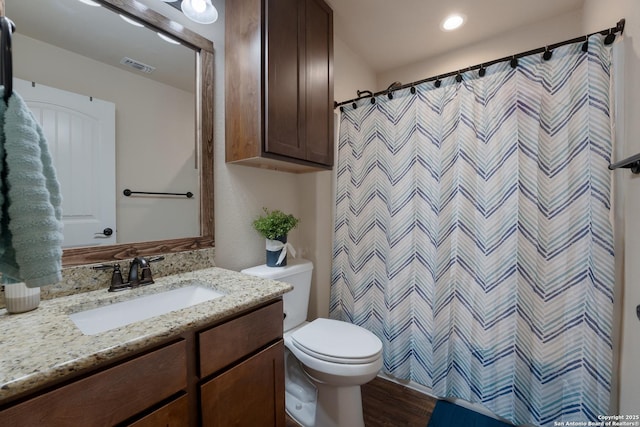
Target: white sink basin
{"points": [[113, 316]]}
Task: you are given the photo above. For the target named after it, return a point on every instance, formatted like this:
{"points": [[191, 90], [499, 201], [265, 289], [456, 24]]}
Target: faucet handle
{"points": [[116, 280], [116, 277], [146, 277], [103, 267]]}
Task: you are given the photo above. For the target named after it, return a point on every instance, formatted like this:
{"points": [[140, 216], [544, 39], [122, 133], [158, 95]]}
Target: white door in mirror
{"points": [[80, 131]]}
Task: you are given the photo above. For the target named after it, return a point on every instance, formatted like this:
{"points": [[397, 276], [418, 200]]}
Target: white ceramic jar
{"points": [[19, 298]]}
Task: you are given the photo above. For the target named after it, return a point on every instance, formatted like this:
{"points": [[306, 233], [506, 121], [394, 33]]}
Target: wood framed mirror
{"points": [[203, 50]]}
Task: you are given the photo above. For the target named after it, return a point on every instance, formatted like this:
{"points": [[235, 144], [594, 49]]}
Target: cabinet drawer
{"points": [[107, 397], [226, 343], [173, 414]]}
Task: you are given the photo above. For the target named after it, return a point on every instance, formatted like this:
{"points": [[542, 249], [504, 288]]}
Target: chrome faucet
{"points": [[139, 273]]}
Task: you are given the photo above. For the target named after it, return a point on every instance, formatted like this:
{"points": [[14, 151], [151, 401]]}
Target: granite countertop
{"points": [[45, 346]]}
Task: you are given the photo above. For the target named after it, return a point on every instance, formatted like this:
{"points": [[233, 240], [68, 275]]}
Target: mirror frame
{"points": [[204, 136]]}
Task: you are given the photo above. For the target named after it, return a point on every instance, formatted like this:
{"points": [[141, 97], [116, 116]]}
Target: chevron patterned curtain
{"points": [[473, 234]]}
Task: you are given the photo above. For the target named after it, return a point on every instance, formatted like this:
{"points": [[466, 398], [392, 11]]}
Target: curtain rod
{"points": [[609, 32]]}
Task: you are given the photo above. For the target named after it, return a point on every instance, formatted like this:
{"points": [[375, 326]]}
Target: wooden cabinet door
{"points": [[318, 82], [173, 414], [249, 394], [299, 90], [279, 85], [284, 90]]}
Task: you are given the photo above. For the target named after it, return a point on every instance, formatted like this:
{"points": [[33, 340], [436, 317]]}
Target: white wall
{"points": [[598, 15], [559, 28], [350, 71], [153, 153]]}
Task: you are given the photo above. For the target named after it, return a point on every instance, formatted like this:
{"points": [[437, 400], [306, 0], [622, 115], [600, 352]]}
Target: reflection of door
{"points": [[81, 136]]}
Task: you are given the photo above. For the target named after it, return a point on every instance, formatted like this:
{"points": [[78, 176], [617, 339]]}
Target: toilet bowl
{"points": [[326, 361], [338, 358]]}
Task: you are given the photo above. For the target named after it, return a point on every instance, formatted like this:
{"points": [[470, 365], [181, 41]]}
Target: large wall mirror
{"points": [[125, 98]]}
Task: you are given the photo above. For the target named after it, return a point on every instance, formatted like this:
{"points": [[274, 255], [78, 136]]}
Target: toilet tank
{"points": [[297, 272]]}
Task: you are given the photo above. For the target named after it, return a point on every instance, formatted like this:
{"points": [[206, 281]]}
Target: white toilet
{"points": [[326, 360]]}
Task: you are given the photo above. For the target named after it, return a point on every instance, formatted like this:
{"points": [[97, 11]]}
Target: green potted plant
{"points": [[274, 227]]}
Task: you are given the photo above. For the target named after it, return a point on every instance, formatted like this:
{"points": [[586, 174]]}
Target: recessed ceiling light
{"points": [[452, 22]]}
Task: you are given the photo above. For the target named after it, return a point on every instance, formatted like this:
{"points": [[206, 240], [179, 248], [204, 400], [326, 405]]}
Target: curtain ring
{"points": [[437, 83], [585, 45], [514, 62], [547, 54], [482, 71], [610, 38]]}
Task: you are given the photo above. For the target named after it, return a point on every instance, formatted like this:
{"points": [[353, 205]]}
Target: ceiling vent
{"points": [[137, 65]]}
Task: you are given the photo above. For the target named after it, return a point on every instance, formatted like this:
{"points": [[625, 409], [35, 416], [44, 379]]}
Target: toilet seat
{"points": [[337, 342]]}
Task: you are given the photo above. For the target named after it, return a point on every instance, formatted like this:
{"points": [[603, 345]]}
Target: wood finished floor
{"points": [[388, 404]]}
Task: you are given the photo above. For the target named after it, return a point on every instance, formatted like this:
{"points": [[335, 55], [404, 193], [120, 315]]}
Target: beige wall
{"points": [[350, 71], [559, 28], [151, 154], [598, 15]]}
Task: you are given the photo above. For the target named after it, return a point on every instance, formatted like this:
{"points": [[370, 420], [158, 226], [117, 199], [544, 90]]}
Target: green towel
{"points": [[31, 222]]}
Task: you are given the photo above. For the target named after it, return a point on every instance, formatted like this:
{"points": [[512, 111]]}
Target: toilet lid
{"points": [[336, 341]]}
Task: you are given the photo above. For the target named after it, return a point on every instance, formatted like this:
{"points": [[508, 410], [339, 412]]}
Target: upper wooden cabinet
{"points": [[279, 84]]}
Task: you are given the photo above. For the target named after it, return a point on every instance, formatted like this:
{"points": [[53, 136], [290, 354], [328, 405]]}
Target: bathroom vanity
{"points": [[195, 366]]}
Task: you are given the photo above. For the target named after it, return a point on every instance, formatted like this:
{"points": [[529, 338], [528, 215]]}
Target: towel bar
{"points": [[632, 163], [128, 193]]}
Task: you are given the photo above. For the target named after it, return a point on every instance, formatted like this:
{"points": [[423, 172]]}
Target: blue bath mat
{"points": [[447, 414]]}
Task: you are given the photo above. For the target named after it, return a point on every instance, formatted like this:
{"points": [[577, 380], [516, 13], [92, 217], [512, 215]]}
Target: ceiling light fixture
{"points": [[452, 22], [200, 11]]}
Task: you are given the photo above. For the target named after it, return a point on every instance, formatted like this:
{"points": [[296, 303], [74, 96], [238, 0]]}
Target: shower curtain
{"points": [[472, 234]]}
